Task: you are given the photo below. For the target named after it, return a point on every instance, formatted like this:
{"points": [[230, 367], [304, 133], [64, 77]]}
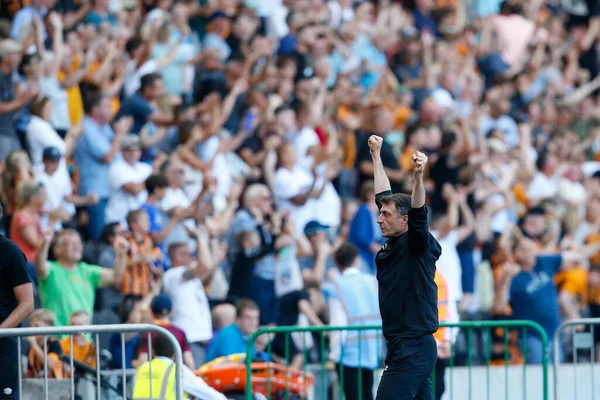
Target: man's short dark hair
{"points": [[156, 182], [108, 232], [148, 81], [92, 100], [162, 346], [401, 201], [133, 44], [173, 247], [245, 304], [365, 191], [346, 255]]}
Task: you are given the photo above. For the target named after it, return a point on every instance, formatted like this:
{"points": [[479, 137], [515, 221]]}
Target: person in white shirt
{"points": [[448, 233], [545, 183], [60, 200], [127, 178], [295, 189], [183, 283], [41, 134]]}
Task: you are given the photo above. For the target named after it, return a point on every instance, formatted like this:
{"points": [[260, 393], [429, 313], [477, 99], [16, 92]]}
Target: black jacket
{"points": [[405, 272]]}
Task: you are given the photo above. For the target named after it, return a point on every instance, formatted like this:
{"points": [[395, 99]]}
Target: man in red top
{"points": [[161, 311]]}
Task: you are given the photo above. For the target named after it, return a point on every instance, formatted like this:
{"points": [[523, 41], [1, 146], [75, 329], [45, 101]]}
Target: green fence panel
{"points": [[521, 326]]}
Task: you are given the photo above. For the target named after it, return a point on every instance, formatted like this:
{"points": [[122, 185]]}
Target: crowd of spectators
{"points": [[165, 160]]}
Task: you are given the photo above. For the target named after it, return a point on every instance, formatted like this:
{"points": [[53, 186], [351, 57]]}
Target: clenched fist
{"points": [[419, 162], [375, 143]]}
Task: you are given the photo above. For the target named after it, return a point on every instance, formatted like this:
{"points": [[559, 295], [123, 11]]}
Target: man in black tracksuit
{"points": [[407, 291]]}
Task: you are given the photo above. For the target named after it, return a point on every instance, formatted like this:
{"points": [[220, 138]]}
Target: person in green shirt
{"points": [[68, 284]]}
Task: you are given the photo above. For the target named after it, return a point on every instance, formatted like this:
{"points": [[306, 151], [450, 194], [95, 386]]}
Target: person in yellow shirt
{"points": [[83, 349], [160, 384], [70, 75]]}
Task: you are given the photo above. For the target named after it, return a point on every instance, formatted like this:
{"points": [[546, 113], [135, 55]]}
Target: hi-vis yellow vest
{"points": [[163, 381]]}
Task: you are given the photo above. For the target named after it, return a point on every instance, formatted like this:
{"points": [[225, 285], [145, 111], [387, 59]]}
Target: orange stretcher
{"points": [[228, 375]]}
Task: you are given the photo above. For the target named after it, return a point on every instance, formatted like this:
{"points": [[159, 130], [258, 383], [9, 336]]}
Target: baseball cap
{"points": [[161, 305], [8, 46], [131, 142], [51, 154], [314, 227]]}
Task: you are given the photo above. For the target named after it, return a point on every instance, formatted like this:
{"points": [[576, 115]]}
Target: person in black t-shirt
{"points": [[407, 290], [16, 303]]}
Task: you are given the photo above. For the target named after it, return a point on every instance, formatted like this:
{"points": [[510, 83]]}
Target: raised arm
{"points": [[418, 193], [381, 181], [42, 268], [114, 276], [418, 232]]}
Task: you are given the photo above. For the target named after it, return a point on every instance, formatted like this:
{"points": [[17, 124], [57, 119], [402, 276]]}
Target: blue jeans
{"points": [[535, 350], [263, 293], [96, 215]]}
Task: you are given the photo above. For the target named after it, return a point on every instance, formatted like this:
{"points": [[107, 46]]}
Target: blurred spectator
{"points": [[127, 177], [161, 308], [60, 201], [12, 100], [83, 349], [318, 262], [139, 105], [302, 308], [223, 315], [42, 347], [541, 303], [257, 206], [183, 283], [97, 148], [17, 170], [364, 231], [26, 227], [352, 300], [68, 284], [144, 260], [232, 339]]}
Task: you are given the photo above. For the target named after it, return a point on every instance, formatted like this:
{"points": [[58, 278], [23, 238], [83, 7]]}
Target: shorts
{"points": [[9, 365]]}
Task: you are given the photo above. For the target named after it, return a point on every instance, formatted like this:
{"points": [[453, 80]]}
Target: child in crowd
{"points": [[43, 318], [145, 259], [83, 349]]}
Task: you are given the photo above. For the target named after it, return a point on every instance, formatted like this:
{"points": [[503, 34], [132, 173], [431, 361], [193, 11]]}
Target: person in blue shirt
{"points": [[529, 288], [97, 147], [232, 339], [364, 230], [139, 106]]}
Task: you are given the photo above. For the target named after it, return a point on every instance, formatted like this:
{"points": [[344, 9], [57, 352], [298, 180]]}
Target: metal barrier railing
{"points": [[469, 326], [582, 342], [19, 333]]}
